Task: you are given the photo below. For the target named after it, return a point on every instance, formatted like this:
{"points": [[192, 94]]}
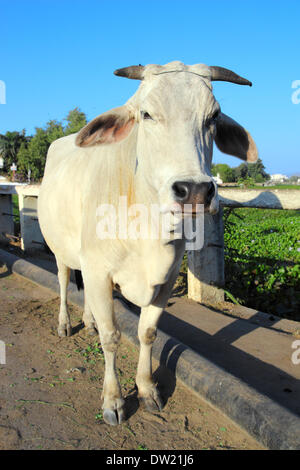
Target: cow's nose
{"points": [[193, 193], [182, 191], [206, 191]]}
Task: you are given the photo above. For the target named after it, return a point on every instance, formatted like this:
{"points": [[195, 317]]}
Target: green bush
{"points": [[262, 256], [246, 182]]}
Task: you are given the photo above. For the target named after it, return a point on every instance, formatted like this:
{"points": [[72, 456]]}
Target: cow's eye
{"points": [[145, 115]]}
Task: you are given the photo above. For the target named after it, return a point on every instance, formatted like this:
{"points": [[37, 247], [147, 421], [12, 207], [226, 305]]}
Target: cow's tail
{"points": [[78, 279]]}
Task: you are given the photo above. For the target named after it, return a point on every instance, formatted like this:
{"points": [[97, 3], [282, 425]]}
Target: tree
{"points": [[54, 131], [24, 160], [257, 171], [76, 119], [224, 170], [240, 171], [33, 156], [10, 144]]}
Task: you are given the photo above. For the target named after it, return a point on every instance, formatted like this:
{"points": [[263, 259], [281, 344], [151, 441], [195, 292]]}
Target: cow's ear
{"points": [[233, 139], [112, 126]]}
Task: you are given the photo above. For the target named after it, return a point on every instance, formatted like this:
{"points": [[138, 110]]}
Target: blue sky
{"points": [[58, 54]]}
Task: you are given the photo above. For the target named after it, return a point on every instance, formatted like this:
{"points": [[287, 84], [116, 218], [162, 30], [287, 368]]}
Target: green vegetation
{"points": [[92, 353], [15, 202], [99, 416], [30, 152], [282, 186], [10, 144], [255, 172], [247, 182], [250, 184], [262, 259], [225, 171]]}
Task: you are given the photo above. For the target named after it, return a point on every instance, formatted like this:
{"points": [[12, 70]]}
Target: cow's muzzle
{"points": [[186, 192]]}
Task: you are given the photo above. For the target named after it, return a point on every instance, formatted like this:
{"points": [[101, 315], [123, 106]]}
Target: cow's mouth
{"points": [[194, 212]]}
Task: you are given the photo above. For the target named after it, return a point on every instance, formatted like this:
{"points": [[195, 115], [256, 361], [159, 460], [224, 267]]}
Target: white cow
{"points": [[156, 149]]}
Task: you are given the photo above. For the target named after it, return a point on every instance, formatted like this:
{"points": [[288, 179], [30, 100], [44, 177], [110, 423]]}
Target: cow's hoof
{"points": [[152, 403], [91, 330], [64, 330], [114, 417], [114, 411]]}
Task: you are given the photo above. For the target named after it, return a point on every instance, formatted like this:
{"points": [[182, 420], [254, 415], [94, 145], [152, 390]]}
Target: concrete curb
{"points": [[271, 424]]}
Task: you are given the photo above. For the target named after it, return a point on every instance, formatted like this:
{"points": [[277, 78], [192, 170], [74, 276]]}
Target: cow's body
{"points": [[84, 179], [156, 149]]}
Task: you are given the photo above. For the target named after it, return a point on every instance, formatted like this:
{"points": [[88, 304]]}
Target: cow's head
{"points": [[178, 119]]}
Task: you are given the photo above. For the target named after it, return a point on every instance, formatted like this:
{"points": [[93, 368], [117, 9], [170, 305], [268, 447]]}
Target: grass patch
{"points": [[15, 204], [265, 188], [92, 353], [262, 256], [280, 186]]}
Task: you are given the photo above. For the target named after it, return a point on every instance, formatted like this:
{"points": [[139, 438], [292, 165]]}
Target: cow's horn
{"points": [[225, 75], [134, 71]]}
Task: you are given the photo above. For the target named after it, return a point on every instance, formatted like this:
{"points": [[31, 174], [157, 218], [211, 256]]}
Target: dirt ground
{"points": [[50, 388]]}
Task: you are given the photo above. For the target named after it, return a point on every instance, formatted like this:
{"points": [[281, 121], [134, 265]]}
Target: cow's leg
{"points": [[147, 390], [99, 295], [149, 318], [88, 319], [64, 324]]}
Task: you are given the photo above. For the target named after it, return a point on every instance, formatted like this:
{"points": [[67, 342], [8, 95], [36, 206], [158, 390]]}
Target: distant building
{"points": [[1, 162], [217, 179], [278, 178]]}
